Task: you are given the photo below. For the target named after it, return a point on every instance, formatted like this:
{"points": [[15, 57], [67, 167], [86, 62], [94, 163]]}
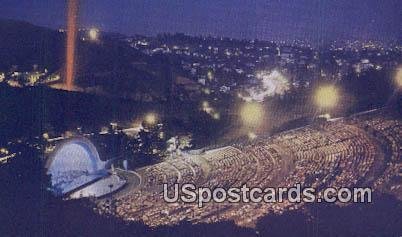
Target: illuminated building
{"points": [[75, 166]]}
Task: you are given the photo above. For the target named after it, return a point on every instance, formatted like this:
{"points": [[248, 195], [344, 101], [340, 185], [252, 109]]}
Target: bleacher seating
{"points": [[343, 153]]}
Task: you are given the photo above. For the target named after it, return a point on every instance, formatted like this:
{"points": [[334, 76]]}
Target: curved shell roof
{"points": [[74, 162]]}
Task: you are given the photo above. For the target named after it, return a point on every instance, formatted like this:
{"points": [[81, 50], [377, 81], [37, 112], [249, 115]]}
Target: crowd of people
{"points": [[342, 153], [389, 135]]}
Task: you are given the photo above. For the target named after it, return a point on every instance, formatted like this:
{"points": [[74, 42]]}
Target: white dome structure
{"points": [[74, 163]]}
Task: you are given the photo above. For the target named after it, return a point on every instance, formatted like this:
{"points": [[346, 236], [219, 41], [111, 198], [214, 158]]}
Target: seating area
{"points": [[159, 174], [342, 153], [388, 131], [335, 154], [229, 167]]}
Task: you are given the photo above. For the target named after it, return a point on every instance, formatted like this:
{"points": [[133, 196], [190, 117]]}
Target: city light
{"points": [[4, 151], [45, 136], [252, 114], [93, 34], [210, 75], [216, 116], [104, 130], [2, 76], [161, 135], [252, 135], [271, 84], [326, 96], [206, 91], [205, 106], [398, 77], [68, 134], [150, 118], [326, 116]]}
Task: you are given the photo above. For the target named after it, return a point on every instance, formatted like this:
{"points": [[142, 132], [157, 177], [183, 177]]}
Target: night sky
{"points": [[278, 20]]}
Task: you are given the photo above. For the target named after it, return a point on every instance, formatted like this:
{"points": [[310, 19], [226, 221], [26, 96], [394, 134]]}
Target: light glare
{"points": [[326, 96], [150, 119], [252, 114], [398, 77], [93, 34]]}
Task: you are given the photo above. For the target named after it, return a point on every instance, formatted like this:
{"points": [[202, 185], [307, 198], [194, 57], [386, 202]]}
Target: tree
{"points": [[148, 147]]}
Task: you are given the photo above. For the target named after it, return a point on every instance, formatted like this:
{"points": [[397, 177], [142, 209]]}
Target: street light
{"points": [[326, 96], [398, 77], [150, 119], [252, 114], [93, 34]]}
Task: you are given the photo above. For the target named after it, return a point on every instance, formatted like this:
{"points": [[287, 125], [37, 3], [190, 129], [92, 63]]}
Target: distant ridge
{"points": [[24, 44], [108, 66]]}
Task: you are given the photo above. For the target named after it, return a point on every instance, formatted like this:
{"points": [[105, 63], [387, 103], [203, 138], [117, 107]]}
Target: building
{"points": [[77, 171]]}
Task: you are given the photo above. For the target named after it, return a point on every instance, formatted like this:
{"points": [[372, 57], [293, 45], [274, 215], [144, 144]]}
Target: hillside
{"points": [[24, 44], [108, 66]]}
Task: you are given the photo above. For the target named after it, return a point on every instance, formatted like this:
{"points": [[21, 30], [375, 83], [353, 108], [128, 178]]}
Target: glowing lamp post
{"points": [[326, 96], [398, 78], [93, 34], [252, 114], [151, 119]]}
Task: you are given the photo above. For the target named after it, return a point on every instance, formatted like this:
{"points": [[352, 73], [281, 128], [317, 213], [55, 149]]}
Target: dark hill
{"points": [[24, 44], [110, 65]]}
